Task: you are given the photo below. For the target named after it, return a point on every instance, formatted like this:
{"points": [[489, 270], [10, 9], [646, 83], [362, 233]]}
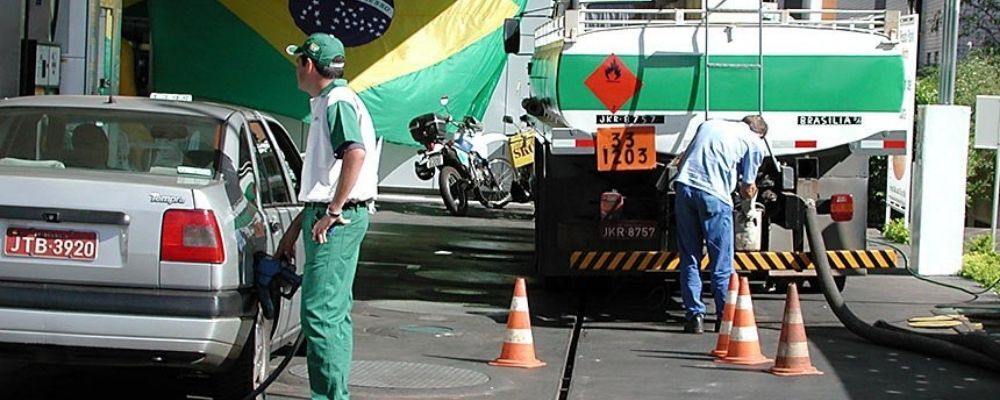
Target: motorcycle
{"points": [[461, 164]]}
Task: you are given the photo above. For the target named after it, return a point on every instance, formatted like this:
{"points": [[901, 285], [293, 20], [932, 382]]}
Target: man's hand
{"points": [[323, 226], [748, 190], [676, 162], [286, 247]]}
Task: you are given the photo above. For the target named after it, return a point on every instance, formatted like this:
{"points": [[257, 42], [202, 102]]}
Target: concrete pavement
{"points": [[432, 297]]}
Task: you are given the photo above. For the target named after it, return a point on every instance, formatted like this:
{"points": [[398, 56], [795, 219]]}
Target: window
{"points": [[241, 188], [241, 183], [135, 142], [293, 160], [273, 188]]}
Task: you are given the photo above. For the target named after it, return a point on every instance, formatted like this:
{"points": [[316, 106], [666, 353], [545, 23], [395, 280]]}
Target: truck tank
{"points": [[835, 87]]}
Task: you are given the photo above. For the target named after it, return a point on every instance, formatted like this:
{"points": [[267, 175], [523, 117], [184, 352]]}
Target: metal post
{"points": [[949, 52], [996, 197], [760, 58], [708, 60]]}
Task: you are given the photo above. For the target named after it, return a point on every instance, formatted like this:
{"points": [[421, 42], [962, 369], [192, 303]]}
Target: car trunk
{"points": [[85, 227]]}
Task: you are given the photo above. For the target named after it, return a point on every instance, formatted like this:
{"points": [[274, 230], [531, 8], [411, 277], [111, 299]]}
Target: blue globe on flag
{"points": [[354, 22]]}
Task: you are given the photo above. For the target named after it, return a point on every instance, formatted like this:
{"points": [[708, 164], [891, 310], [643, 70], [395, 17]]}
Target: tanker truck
{"points": [[618, 90]]}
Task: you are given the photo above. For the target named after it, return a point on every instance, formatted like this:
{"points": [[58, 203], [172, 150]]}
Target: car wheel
{"points": [[250, 369]]}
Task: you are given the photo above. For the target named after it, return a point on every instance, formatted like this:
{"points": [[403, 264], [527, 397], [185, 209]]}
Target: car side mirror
{"points": [[511, 36], [507, 119]]}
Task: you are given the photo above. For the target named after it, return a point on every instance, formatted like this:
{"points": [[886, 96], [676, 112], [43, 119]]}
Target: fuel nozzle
{"points": [[274, 277]]}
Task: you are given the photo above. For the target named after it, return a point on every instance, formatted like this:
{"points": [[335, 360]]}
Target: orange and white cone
{"points": [[726, 326], [518, 345], [744, 344], [793, 349]]}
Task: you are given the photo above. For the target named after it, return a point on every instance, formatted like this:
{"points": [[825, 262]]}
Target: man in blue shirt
{"points": [[721, 152]]}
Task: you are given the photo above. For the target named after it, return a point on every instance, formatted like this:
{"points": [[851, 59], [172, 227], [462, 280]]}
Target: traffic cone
{"points": [[793, 349], [744, 345], [518, 346], [726, 326]]}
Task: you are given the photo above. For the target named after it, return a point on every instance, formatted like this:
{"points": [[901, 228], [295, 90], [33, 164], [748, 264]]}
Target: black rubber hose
{"points": [[979, 341], [277, 371], [910, 341]]}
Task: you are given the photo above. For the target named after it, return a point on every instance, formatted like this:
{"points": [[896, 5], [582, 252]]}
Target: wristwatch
{"points": [[332, 214]]}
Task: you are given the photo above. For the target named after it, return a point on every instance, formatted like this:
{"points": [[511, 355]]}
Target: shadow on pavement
{"points": [[868, 371], [69, 382], [475, 210]]}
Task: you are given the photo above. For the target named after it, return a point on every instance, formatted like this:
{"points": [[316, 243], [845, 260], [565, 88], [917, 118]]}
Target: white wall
{"points": [[72, 33]]}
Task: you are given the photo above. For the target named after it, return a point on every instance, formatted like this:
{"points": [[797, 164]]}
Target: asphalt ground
{"points": [[432, 298]]}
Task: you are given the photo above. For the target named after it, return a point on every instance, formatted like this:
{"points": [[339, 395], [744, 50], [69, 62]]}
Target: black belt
{"points": [[348, 205]]}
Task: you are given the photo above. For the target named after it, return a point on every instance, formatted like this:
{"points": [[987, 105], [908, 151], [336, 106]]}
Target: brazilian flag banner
{"points": [[402, 55]]}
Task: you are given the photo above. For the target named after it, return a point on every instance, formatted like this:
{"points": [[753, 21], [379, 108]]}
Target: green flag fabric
{"points": [[402, 55]]}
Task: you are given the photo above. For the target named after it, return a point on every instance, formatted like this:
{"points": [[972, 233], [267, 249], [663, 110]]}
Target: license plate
{"points": [[435, 160], [44, 243], [626, 148], [628, 230]]}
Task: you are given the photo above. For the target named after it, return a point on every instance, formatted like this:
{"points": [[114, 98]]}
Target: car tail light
{"points": [[842, 207], [191, 236]]}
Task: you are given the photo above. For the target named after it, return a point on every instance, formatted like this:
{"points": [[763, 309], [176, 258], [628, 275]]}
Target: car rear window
{"points": [[136, 142]]}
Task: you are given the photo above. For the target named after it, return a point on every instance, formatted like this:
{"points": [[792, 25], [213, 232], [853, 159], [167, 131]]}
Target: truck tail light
{"points": [[191, 236], [611, 204], [842, 207]]}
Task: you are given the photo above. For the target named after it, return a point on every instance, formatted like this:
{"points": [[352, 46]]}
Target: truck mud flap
{"points": [[749, 262]]}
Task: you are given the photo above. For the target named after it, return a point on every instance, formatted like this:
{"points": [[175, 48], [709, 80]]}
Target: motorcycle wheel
{"points": [[497, 188], [456, 200]]}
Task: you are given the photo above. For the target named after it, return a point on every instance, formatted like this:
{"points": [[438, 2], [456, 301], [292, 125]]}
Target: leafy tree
{"points": [[977, 74], [981, 21]]}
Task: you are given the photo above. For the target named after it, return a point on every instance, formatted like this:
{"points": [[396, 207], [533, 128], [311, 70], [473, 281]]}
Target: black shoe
{"points": [[695, 325]]}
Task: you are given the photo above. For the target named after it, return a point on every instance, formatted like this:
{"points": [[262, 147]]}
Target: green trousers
{"points": [[327, 297]]}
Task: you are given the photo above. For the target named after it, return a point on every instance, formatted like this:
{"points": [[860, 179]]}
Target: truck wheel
{"points": [[249, 370], [840, 281], [453, 192], [557, 284]]}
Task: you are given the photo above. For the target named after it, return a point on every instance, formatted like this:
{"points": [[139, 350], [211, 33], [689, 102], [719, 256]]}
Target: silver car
{"points": [[130, 231]]}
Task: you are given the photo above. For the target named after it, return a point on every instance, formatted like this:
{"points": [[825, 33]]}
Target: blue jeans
{"points": [[703, 219]]}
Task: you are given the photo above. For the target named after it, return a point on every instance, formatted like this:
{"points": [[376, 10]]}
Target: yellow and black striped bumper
{"points": [[666, 261]]}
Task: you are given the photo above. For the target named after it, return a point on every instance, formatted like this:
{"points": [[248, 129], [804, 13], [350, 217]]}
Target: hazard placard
{"points": [[626, 148], [613, 83]]}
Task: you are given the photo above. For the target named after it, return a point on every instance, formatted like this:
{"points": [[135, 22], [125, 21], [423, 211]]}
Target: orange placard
{"points": [[626, 148]]}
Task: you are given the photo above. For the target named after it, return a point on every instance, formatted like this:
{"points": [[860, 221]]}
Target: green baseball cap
{"points": [[320, 47]]}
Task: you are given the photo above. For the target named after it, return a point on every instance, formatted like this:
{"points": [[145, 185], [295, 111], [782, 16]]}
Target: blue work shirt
{"points": [[718, 149]]}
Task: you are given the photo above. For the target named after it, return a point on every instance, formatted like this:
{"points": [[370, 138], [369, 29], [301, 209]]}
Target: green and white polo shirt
{"points": [[340, 122]]}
